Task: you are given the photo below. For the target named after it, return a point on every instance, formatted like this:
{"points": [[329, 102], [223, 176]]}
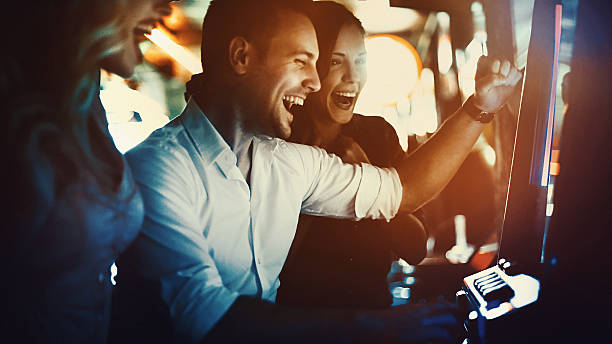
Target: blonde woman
{"points": [[70, 202]]}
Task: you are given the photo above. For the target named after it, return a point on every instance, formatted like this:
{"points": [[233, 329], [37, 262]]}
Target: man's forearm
{"points": [[426, 171]]}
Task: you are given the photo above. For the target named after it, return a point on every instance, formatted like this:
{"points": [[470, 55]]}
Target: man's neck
{"points": [[228, 120]]}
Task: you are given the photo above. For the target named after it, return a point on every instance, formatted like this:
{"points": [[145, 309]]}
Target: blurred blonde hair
{"points": [[54, 76]]}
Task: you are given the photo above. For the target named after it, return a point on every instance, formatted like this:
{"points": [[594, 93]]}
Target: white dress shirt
{"points": [[208, 236]]}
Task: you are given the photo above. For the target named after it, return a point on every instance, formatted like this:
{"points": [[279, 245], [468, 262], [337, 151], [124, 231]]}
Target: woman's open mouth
{"points": [[344, 100]]}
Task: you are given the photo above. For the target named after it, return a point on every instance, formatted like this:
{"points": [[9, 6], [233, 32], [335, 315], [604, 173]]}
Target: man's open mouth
{"points": [[344, 100], [290, 102]]}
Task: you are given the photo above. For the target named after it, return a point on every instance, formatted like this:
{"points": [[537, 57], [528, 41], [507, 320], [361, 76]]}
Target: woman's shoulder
{"points": [[361, 124], [377, 137]]}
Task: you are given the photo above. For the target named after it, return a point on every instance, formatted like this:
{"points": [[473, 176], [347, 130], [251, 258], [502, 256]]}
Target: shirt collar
{"points": [[206, 138]]}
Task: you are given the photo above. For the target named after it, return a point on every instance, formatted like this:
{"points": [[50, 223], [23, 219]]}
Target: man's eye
{"points": [[300, 62], [335, 62], [360, 61]]}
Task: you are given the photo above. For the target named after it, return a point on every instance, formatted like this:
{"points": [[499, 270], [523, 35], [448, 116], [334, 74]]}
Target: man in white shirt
{"points": [[222, 193]]}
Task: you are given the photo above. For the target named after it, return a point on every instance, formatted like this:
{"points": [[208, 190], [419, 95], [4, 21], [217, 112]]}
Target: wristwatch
{"points": [[476, 113]]}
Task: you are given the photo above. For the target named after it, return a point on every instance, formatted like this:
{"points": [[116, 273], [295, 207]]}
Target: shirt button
{"points": [[350, 259], [101, 278]]}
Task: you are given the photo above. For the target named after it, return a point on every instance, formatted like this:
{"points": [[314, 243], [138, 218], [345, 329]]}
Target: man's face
{"points": [[281, 76]]}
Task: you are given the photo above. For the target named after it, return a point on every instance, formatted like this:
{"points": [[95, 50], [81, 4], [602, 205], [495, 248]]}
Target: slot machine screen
{"points": [[514, 282], [541, 111]]}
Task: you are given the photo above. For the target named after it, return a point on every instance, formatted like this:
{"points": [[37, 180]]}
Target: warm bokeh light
{"points": [[423, 117], [163, 40], [378, 16], [393, 67], [489, 155], [554, 168], [132, 115], [445, 50], [176, 19], [445, 54]]}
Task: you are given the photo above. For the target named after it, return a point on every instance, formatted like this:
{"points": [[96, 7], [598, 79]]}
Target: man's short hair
{"points": [[254, 20]]}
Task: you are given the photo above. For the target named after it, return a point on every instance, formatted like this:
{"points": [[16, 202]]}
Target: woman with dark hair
{"points": [[336, 262], [71, 204]]}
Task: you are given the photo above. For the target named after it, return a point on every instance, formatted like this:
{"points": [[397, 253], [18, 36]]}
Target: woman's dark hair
{"points": [[328, 18]]}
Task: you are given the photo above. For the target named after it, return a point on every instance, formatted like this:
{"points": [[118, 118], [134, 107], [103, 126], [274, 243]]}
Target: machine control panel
{"points": [[493, 292]]}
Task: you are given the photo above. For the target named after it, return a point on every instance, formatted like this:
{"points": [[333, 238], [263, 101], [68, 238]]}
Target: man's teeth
{"points": [[293, 100], [347, 94]]}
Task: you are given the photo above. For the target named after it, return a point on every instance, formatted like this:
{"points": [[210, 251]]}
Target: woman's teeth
{"points": [[344, 100], [347, 94]]}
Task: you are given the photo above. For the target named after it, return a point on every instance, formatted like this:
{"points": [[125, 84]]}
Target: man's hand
{"points": [[495, 81]]}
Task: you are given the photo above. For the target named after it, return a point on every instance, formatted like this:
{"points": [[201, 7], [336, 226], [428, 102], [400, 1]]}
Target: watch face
{"points": [[476, 113], [485, 117]]}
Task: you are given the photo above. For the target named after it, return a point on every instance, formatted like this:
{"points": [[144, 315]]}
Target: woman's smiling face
{"points": [[346, 77], [144, 15]]}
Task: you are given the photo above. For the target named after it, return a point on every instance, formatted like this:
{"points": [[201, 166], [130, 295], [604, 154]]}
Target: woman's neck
{"points": [[325, 132]]}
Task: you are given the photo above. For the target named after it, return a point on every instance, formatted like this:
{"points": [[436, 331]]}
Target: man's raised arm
{"points": [[425, 172]]}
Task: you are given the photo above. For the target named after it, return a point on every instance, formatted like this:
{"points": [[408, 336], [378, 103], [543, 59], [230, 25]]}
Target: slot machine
{"points": [[549, 283]]}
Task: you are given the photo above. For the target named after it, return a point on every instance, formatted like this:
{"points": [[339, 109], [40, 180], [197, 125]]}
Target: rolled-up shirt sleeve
{"points": [[171, 248], [356, 191]]}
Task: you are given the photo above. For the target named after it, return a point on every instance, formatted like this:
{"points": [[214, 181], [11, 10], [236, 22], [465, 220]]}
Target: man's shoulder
{"points": [[166, 138], [164, 146], [289, 149]]}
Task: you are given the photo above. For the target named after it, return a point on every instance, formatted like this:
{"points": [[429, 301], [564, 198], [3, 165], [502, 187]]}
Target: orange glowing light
{"points": [[394, 68], [164, 40], [555, 155], [176, 19], [554, 168]]}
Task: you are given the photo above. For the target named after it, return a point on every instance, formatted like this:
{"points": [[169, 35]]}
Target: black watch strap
{"points": [[476, 113]]}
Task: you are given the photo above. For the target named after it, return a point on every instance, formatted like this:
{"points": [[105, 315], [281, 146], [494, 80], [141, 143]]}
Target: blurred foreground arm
{"points": [[254, 320]]}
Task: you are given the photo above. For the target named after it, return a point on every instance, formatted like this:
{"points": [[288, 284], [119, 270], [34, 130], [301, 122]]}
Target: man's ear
{"points": [[240, 52]]}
